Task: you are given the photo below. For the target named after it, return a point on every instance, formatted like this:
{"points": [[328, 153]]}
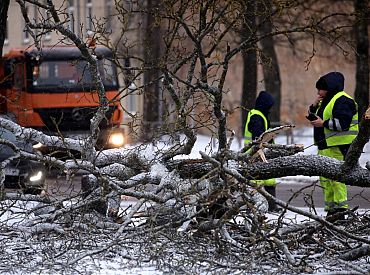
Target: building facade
{"points": [[82, 17], [103, 16]]}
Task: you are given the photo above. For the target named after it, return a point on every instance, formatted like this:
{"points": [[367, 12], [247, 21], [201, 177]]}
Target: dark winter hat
{"points": [[321, 84], [264, 101], [334, 82]]}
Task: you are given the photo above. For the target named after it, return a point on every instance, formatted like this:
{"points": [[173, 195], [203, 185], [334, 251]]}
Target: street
{"points": [[301, 193]]}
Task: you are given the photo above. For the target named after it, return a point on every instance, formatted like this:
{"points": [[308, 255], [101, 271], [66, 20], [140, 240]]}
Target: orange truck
{"points": [[52, 90]]}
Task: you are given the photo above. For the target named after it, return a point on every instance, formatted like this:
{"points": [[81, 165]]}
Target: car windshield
{"points": [[72, 74], [5, 150], [7, 135]]}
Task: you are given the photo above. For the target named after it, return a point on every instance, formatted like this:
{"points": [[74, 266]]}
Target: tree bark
{"points": [[271, 70], [358, 143], [249, 61], [356, 253], [362, 55], [4, 5], [152, 51]]}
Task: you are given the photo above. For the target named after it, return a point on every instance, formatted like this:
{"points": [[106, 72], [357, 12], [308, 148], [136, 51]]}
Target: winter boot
{"points": [[337, 214], [271, 203]]}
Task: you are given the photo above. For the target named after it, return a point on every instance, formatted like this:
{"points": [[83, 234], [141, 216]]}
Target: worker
{"points": [[334, 116], [257, 123]]}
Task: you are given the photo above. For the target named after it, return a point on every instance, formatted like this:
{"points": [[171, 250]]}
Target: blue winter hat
{"points": [[321, 84], [264, 101], [332, 82]]}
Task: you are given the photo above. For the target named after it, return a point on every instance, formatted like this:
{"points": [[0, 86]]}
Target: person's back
{"points": [[258, 120], [257, 123]]}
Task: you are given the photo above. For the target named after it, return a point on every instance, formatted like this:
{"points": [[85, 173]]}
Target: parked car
{"points": [[26, 175]]}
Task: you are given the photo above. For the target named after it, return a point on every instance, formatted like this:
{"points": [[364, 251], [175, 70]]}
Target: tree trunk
{"points": [[362, 56], [152, 50], [249, 62], [270, 65], [4, 5]]}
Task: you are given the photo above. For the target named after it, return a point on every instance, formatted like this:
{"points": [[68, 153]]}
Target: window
{"points": [[129, 8], [132, 98], [6, 40], [71, 10], [89, 16], [108, 14], [132, 90], [46, 16], [19, 76], [69, 74], [26, 35], [47, 36]]}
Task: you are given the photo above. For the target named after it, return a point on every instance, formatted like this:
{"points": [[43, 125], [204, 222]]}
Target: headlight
{"points": [[37, 145], [36, 177], [116, 139]]}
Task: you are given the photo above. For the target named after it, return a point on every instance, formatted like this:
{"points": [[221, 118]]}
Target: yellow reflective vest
{"points": [[248, 138], [334, 138], [247, 134]]}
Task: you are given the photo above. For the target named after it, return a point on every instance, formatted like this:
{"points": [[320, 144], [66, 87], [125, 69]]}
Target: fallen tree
{"points": [[189, 208]]}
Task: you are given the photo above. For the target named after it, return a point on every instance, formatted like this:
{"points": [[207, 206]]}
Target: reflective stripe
{"points": [[331, 124], [337, 124], [334, 134], [345, 133]]}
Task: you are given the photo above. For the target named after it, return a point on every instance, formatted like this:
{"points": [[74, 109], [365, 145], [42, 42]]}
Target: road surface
{"points": [[302, 195], [302, 192]]}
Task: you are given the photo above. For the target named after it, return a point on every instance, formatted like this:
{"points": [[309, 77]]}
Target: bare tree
{"points": [[4, 5], [183, 208], [271, 71], [247, 32], [362, 55], [152, 77]]}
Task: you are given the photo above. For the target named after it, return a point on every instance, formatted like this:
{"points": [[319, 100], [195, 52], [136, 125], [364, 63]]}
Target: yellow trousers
{"points": [[335, 193]]}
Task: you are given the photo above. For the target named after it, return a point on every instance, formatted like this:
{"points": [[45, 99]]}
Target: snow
{"points": [[117, 264], [209, 145], [17, 213], [300, 136]]}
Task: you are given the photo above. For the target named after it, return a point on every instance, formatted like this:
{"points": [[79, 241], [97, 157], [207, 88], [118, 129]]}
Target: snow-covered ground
{"points": [[300, 136], [115, 264]]}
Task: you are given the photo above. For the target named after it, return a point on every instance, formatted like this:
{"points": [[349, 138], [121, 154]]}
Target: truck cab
{"points": [[52, 90]]}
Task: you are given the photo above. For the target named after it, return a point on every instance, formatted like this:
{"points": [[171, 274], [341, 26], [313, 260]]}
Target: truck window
{"points": [[19, 76], [73, 75]]}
